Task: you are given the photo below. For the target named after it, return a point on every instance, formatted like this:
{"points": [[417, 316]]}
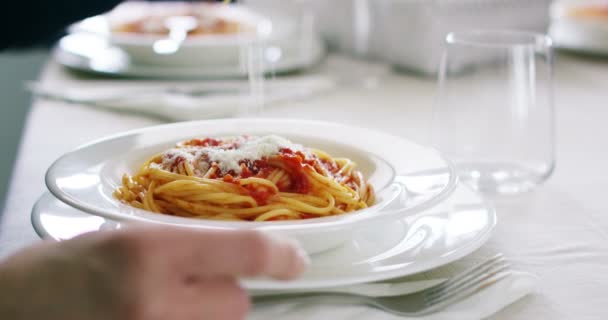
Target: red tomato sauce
{"points": [[207, 142]]}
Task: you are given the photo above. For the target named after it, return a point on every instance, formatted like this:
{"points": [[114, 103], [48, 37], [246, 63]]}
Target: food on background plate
{"points": [[590, 11], [246, 178], [211, 19]]}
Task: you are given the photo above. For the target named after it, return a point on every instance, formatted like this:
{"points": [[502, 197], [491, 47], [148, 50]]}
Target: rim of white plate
{"points": [[370, 214], [267, 285]]}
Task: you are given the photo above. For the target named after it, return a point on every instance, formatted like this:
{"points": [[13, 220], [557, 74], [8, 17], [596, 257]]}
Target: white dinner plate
{"points": [[406, 177], [271, 41], [455, 228], [92, 53], [585, 35]]}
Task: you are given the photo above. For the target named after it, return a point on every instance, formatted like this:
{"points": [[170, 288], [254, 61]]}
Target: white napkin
{"points": [[478, 306], [410, 33], [235, 98]]}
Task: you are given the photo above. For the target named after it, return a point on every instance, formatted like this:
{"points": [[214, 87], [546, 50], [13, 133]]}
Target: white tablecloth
{"points": [[559, 231]]}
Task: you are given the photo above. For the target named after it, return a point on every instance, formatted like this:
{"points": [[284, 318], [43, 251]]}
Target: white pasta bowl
{"points": [[408, 178], [276, 33]]}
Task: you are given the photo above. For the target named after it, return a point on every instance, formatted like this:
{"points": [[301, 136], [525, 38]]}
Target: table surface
{"points": [[559, 231]]}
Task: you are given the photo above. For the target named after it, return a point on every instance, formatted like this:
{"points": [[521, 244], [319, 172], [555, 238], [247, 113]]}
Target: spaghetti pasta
{"points": [[246, 178]]}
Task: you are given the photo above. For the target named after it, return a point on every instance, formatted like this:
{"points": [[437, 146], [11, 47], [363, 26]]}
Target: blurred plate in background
{"points": [[580, 26], [209, 41], [91, 53]]}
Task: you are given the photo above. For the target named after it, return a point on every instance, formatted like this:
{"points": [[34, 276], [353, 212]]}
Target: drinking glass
{"points": [[286, 40], [493, 116]]}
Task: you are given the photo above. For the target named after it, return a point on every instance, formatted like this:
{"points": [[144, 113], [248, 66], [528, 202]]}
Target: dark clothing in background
{"points": [[37, 22], [40, 22], [26, 24]]}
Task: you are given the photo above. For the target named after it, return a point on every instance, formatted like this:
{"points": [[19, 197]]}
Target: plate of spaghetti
{"points": [[246, 178], [313, 181]]}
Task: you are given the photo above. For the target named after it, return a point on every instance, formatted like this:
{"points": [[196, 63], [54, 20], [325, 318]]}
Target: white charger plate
{"points": [[92, 53], [407, 177], [455, 228]]}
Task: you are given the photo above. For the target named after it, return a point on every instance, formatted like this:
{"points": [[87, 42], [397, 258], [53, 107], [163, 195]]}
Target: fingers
{"points": [[251, 254], [222, 299], [162, 268], [211, 298], [222, 253]]}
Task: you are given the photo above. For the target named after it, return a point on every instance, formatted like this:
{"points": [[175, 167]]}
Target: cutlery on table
{"points": [[420, 303], [373, 289]]}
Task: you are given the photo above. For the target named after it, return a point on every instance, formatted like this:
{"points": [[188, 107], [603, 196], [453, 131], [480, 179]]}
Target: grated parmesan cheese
{"points": [[229, 158]]}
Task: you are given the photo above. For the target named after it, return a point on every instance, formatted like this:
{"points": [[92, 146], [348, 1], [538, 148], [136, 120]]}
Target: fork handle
{"points": [[325, 297]]}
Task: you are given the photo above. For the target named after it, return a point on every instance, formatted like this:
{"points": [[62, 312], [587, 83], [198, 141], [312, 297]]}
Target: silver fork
{"points": [[419, 303]]}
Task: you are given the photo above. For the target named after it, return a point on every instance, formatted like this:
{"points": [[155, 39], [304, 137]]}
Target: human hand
{"points": [[143, 273]]}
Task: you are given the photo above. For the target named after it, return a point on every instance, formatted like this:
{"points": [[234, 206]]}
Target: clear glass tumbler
{"points": [[494, 116]]}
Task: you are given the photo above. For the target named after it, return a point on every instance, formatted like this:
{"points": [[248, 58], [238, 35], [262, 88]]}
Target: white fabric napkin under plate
{"points": [[175, 103], [478, 306]]}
